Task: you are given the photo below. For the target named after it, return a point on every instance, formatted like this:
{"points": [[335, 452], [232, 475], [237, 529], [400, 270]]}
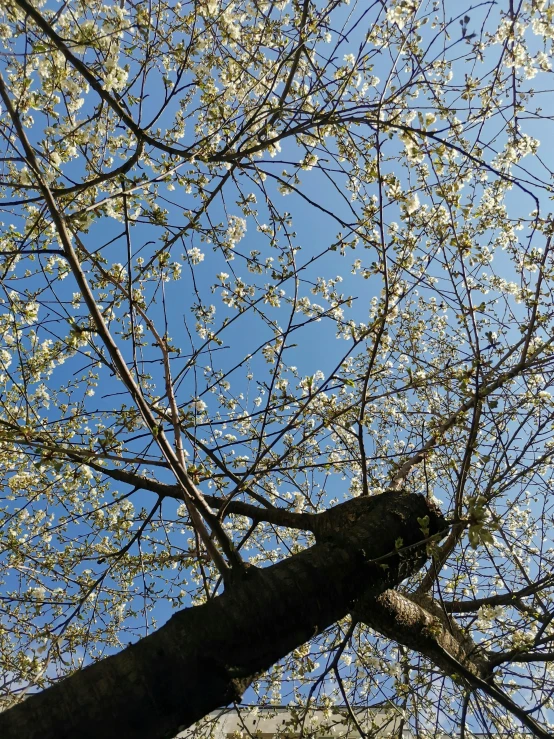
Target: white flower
{"points": [[412, 203], [5, 358], [309, 161], [350, 60], [236, 229], [212, 7], [199, 405], [30, 312], [118, 271], [115, 77], [195, 255], [41, 393]]}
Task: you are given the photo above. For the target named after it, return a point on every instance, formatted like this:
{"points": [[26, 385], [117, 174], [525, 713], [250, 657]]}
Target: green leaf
{"points": [[424, 525]]}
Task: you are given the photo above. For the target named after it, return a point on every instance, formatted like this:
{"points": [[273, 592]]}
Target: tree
{"points": [[344, 502]]}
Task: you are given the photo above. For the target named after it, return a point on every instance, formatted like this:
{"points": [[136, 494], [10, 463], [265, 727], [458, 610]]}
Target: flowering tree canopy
{"points": [[276, 364]]}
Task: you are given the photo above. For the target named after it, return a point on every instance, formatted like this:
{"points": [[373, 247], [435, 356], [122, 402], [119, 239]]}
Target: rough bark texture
{"points": [[420, 624], [205, 657]]}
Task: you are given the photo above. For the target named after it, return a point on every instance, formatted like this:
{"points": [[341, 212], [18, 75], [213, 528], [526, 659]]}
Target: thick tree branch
{"points": [[502, 599], [515, 656], [277, 516], [326, 525], [206, 656], [442, 554], [420, 624]]}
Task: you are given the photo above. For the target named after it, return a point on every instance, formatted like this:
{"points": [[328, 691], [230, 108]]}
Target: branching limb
{"points": [[485, 390], [276, 516], [419, 623], [92, 80], [65, 236], [471, 606]]}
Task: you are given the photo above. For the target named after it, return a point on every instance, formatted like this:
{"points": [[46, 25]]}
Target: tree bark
{"points": [[205, 657], [420, 624]]}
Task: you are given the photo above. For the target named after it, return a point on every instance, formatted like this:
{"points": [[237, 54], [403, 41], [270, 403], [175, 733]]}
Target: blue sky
{"points": [[311, 348]]}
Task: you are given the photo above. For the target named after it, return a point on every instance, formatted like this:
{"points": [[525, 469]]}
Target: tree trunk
{"points": [[205, 657]]}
